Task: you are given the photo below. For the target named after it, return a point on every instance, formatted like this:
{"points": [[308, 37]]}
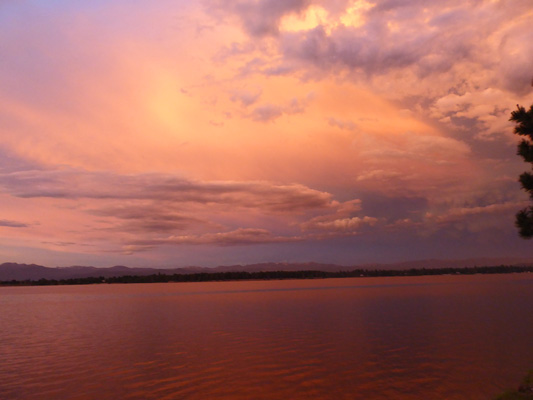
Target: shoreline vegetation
{"points": [[524, 391], [269, 275]]}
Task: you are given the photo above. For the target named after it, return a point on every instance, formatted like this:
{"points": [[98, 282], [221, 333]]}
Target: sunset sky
{"points": [[174, 133]]}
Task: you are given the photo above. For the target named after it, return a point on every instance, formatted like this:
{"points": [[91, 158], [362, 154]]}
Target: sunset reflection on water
{"points": [[452, 337]]}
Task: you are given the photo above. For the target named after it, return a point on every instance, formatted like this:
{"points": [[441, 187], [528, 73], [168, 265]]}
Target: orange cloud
{"points": [[255, 122]]}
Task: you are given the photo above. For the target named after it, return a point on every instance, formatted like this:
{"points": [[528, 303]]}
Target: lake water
{"points": [[445, 337]]}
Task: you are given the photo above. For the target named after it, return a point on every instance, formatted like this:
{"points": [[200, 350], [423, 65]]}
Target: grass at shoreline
{"points": [[524, 391]]}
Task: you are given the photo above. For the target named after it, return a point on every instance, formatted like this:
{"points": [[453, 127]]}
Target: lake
{"points": [[440, 337]]}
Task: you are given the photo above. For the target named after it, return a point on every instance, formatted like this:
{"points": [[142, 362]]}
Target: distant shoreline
{"points": [[269, 275]]}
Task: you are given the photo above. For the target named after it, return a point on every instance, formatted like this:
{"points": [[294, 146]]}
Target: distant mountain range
{"points": [[20, 272]]}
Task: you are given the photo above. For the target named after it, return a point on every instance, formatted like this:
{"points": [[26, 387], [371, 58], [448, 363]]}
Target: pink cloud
{"points": [[258, 17], [342, 221], [177, 124], [69, 183], [12, 224], [238, 237]]}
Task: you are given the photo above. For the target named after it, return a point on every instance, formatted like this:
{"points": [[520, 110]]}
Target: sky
{"points": [[191, 132]]}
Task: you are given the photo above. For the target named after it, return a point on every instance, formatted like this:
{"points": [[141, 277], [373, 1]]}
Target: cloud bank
{"points": [[261, 130]]}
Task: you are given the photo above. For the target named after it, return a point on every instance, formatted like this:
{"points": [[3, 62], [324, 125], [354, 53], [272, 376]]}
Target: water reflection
{"points": [[402, 338]]}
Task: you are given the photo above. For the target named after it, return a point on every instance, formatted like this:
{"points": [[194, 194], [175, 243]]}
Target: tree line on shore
{"points": [[270, 275]]}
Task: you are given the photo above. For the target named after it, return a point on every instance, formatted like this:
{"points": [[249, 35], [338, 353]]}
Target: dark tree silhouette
{"points": [[524, 127]]}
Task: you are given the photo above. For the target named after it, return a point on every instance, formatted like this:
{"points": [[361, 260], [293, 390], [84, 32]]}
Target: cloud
{"points": [[383, 43], [378, 175], [235, 49], [269, 112], [241, 236], [342, 124], [155, 218], [70, 183], [367, 51], [246, 98], [64, 244], [459, 222], [258, 17], [340, 225], [408, 145], [409, 51], [341, 221], [515, 68], [12, 162], [12, 224], [429, 39], [407, 92], [149, 210], [482, 108], [461, 214], [393, 208]]}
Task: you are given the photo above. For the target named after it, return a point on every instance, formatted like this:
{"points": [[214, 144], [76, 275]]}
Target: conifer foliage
{"points": [[524, 128]]}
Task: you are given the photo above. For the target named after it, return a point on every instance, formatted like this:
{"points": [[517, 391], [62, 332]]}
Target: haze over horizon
{"points": [[177, 133]]}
